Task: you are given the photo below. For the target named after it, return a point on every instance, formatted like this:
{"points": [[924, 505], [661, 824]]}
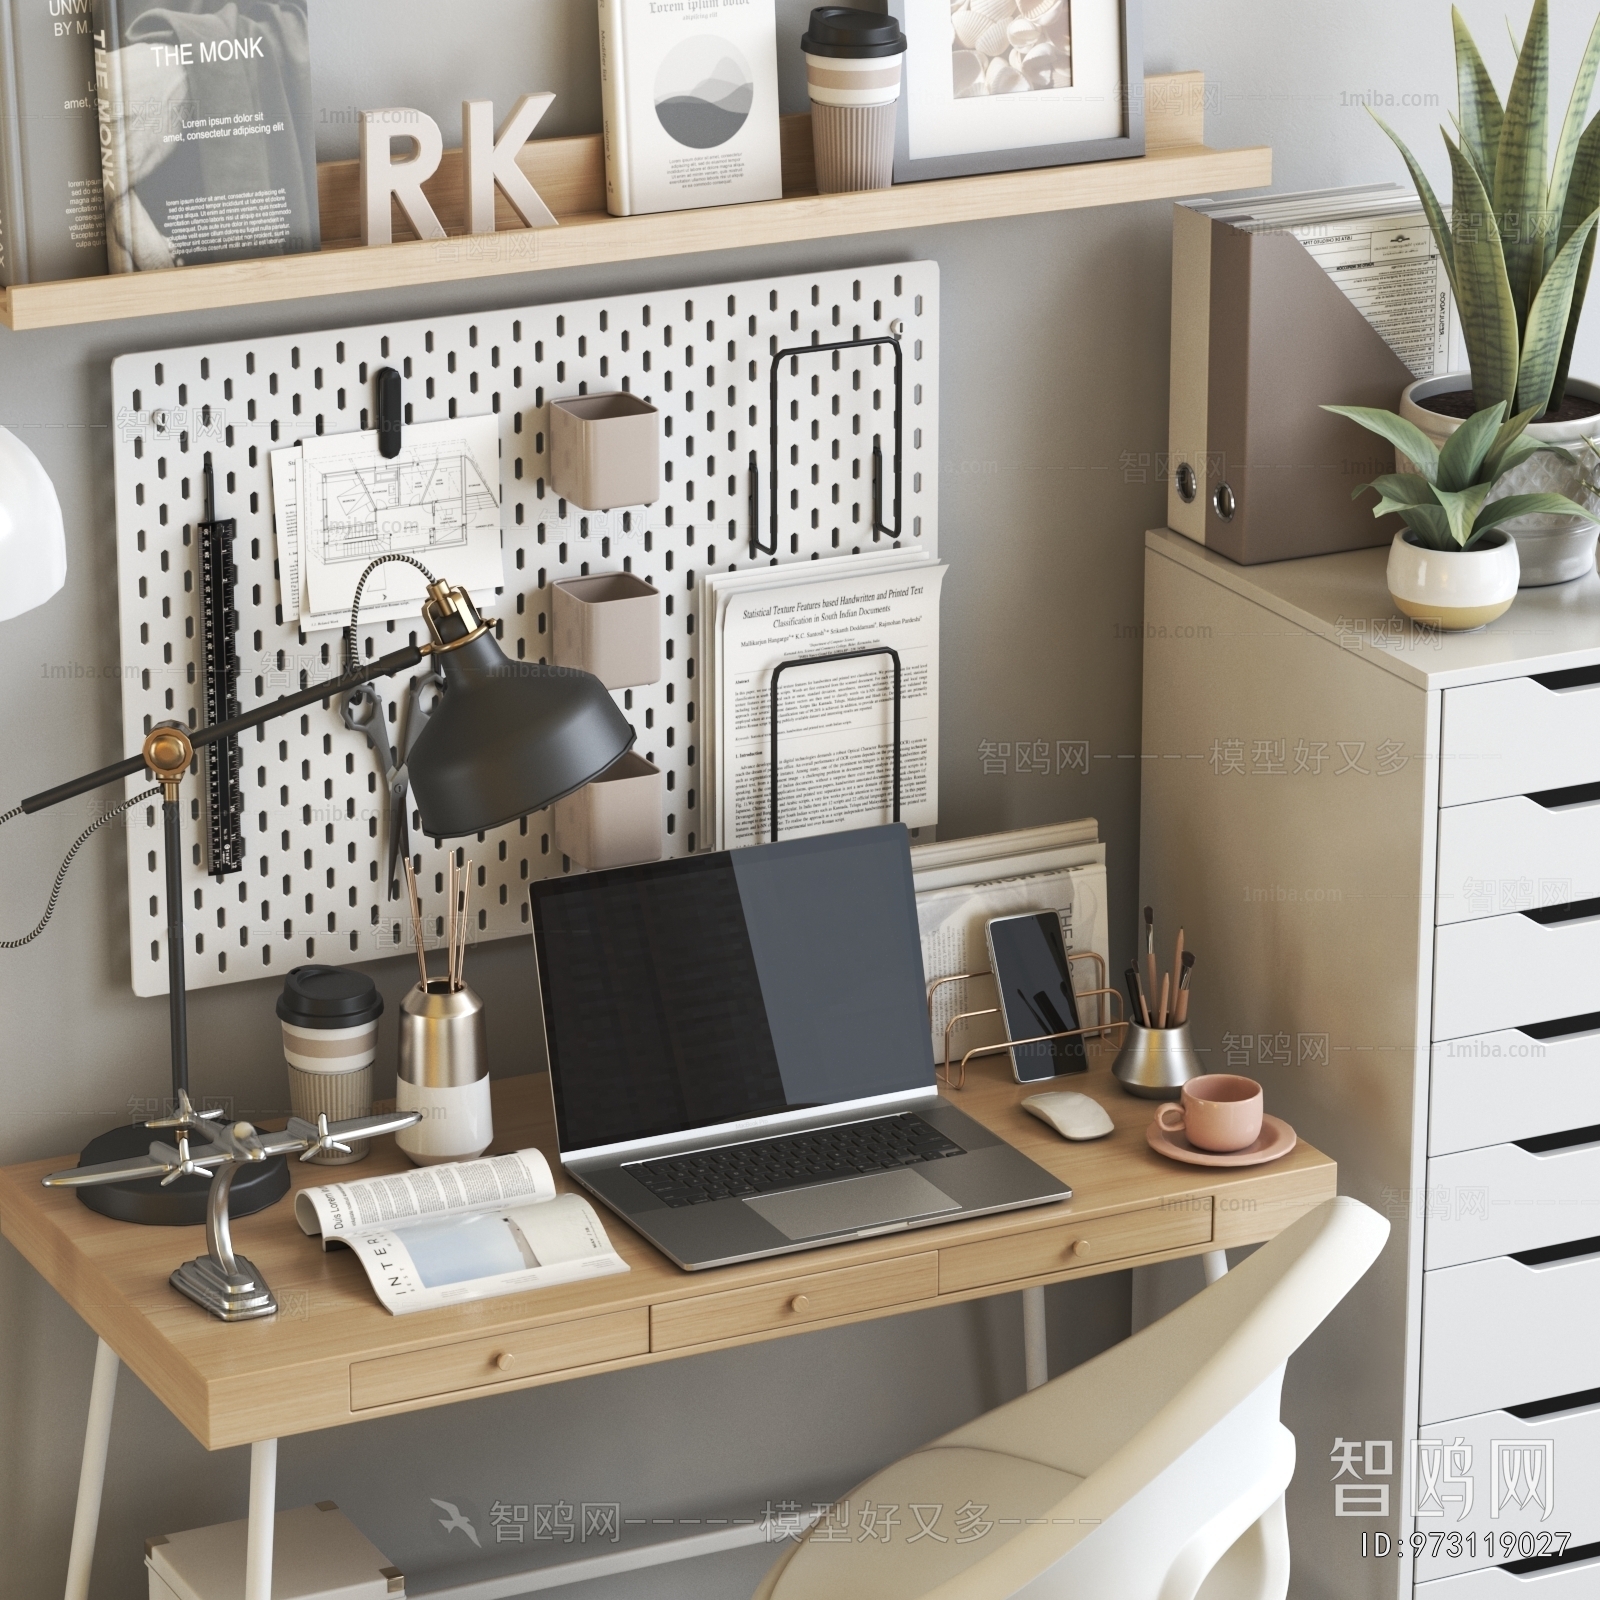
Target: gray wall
{"points": [[1055, 396]]}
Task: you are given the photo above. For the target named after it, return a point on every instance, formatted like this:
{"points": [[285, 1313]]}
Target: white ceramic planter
{"points": [[1553, 549], [1454, 590]]}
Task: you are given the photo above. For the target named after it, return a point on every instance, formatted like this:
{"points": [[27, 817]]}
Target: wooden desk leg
{"points": [[1215, 1263], [1035, 1351], [92, 1474], [263, 1508]]}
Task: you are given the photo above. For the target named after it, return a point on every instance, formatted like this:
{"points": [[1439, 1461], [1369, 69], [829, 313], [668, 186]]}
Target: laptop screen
{"points": [[682, 994]]}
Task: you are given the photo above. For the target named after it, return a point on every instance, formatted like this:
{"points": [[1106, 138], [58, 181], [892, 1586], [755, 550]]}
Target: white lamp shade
{"points": [[33, 542]]}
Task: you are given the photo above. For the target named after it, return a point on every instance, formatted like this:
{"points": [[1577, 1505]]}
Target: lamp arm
{"points": [[396, 661]]}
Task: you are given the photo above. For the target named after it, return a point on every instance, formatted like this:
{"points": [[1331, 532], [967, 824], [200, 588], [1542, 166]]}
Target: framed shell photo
{"points": [[998, 85]]}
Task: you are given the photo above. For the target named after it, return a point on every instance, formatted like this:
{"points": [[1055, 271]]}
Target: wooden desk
{"points": [[333, 1355]]}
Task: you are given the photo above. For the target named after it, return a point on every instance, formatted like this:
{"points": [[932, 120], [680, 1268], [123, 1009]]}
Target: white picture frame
{"points": [[1099, 116]]}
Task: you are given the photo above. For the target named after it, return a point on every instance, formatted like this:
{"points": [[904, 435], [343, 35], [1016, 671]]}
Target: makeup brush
{"points": [[1144, 1008], [1180, 1010], [1150, 950]]}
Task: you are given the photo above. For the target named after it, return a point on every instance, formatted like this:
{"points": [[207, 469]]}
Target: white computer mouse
{"points": [[1073, 1116]]}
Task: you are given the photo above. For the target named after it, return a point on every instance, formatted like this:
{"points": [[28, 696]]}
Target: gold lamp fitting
{"points": [[445, 600], [168, 754]]}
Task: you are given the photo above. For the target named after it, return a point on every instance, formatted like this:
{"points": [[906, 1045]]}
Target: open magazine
{"points": [[468, 1230]]}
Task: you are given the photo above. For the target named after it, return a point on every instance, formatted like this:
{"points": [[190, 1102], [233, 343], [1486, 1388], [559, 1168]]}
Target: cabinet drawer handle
{"points": [[505, 1361], [801, 1302], [1079, 1247]]}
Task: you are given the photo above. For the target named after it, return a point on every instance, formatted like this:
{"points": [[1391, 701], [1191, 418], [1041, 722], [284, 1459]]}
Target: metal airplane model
{"points": [[226, 1284]]}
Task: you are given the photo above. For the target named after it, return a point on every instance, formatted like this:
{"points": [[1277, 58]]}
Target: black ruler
{"points": [[218, 574]]}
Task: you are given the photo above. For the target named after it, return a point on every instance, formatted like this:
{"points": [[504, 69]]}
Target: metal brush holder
{"points": [[1155, 1063]]}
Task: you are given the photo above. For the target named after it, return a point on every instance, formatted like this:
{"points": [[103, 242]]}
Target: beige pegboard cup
{"points": [[608, 624], [605, 451], [615, 821]]}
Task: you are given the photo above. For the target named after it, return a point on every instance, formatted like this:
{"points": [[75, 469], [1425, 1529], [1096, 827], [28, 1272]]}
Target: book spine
{"points": [[111, 110], [614, 110], [13, 244]]}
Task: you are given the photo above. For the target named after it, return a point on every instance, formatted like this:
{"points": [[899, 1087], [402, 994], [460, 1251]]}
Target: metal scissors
{"points": [[363, 712], [422, 696]]}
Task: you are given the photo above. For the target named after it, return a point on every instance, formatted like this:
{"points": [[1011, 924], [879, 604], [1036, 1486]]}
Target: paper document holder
{"points": [[1262, 339]]}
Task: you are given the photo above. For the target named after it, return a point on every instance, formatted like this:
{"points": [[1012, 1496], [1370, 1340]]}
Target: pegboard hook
{"points": [[390, 411]]}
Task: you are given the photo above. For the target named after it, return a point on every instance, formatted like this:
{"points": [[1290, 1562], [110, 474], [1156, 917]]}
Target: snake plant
{"points": [[1445, 502], [1520, 239]]}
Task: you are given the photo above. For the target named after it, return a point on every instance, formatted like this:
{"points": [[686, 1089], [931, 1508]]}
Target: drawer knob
{"points": [[1080, 1247], [801, 1302], [505, 1361]]}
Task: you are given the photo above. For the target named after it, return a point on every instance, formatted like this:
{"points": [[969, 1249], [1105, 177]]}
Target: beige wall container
{"points": [[616, 820], [605, 451], [610, 625]]}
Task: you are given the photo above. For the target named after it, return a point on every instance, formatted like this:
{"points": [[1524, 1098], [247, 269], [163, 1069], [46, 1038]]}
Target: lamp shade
{"points": [[33, 544], [508, 737]]}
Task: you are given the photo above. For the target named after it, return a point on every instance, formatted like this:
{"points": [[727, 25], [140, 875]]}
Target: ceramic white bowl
{"points": [[1454, 590]]}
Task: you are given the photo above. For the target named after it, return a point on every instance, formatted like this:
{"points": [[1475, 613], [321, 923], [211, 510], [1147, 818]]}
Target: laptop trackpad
{"points": [[851, 1205]]}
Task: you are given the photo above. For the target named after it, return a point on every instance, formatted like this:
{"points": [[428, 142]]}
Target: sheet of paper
{"points": [[342, 504], [836, 720], [952, 923]]}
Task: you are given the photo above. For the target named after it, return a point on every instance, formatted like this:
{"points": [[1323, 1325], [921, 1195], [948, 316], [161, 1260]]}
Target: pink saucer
{"points": [[1277, 1139]]}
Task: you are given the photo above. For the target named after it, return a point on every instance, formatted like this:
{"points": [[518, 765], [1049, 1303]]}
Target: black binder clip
{"points": [[390, 412]]}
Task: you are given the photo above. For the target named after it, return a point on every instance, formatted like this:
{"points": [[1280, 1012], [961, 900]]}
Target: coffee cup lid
{"points": [[845, 31], [329, 997]]}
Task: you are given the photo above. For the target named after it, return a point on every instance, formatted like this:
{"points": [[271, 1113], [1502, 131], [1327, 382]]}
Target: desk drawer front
{"points": [[1044, 1251], [1498, 1334], [1567, 1446], [793, 1302], [1495, 1087], [1576, 1582], [1509, 971], [474, 1363], [1503, 1199], [1517, 737], [1504, 855]]}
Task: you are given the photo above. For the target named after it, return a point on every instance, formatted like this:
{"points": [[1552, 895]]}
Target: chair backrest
{"points": [[1175, 1431]]}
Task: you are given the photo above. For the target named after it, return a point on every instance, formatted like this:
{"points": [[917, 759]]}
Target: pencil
{"points": [[1166, 986]]}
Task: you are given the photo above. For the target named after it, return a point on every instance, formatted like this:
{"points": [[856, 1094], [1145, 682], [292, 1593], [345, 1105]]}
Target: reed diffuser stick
{"points": [[416, 925]]}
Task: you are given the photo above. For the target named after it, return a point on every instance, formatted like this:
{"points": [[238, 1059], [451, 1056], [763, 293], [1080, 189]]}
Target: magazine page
{"points": [[477, 1255], [340, 1210]]}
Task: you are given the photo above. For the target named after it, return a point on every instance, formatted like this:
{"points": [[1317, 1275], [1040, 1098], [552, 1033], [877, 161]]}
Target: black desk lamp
{"points": [[508, 738]]}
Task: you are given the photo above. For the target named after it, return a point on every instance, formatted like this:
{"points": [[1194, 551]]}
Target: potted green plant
{"points": [[1454, 565], [1518, 247]]}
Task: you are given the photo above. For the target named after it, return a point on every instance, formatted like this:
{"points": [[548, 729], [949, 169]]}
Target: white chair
{"points": [[1155, 1471]]}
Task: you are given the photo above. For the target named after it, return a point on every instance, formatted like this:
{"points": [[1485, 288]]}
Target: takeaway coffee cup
{"points": [[853, 62], [330, 1037]]}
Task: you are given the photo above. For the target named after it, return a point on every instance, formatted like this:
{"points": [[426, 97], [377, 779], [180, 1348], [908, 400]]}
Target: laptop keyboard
{"points": [[767, 1165]]}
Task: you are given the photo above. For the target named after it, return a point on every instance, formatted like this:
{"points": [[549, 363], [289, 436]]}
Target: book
{"points": [[463, 1230], [207, 151], [689, 98], [1280, 307], [52, 222]]}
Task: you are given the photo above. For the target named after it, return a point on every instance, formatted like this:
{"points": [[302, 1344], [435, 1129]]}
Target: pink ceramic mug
{"points": [[1220, 1112]]}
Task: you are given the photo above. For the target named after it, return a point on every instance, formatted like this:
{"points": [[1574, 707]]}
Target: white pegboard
{"points": [[314, 823]]}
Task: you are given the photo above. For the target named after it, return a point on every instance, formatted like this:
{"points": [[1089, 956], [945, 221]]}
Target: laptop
{"points": [[739, 1052]]}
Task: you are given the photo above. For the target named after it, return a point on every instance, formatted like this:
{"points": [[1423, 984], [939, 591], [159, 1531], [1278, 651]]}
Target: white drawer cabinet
{"points": [[1503, 855], [1503, 1199], [1502, 972], [1510, 1085], [1350, 820], [1516, 735]]}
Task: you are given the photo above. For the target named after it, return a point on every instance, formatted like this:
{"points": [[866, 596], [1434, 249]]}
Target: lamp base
{"points": [[181, 1204]]}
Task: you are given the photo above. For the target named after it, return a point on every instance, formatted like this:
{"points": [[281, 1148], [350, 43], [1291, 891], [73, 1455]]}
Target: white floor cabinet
{"points": [[1384, 848]]}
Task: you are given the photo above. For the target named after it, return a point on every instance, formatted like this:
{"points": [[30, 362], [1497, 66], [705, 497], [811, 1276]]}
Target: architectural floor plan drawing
{"points": [[340, 504]]}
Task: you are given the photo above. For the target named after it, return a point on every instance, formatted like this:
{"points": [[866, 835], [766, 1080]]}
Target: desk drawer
{"points": [[1517, 737], [444, 1369], [1507, 972], [1075, 1244], [1565, 1446], [1577, 1582], [793, 1302], [1498, 1334], [1499, 1200], [1511, 1085], [1509, 855]]}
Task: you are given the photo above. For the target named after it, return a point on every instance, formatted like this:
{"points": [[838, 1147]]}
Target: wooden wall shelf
{"points": [[570, 174]]}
